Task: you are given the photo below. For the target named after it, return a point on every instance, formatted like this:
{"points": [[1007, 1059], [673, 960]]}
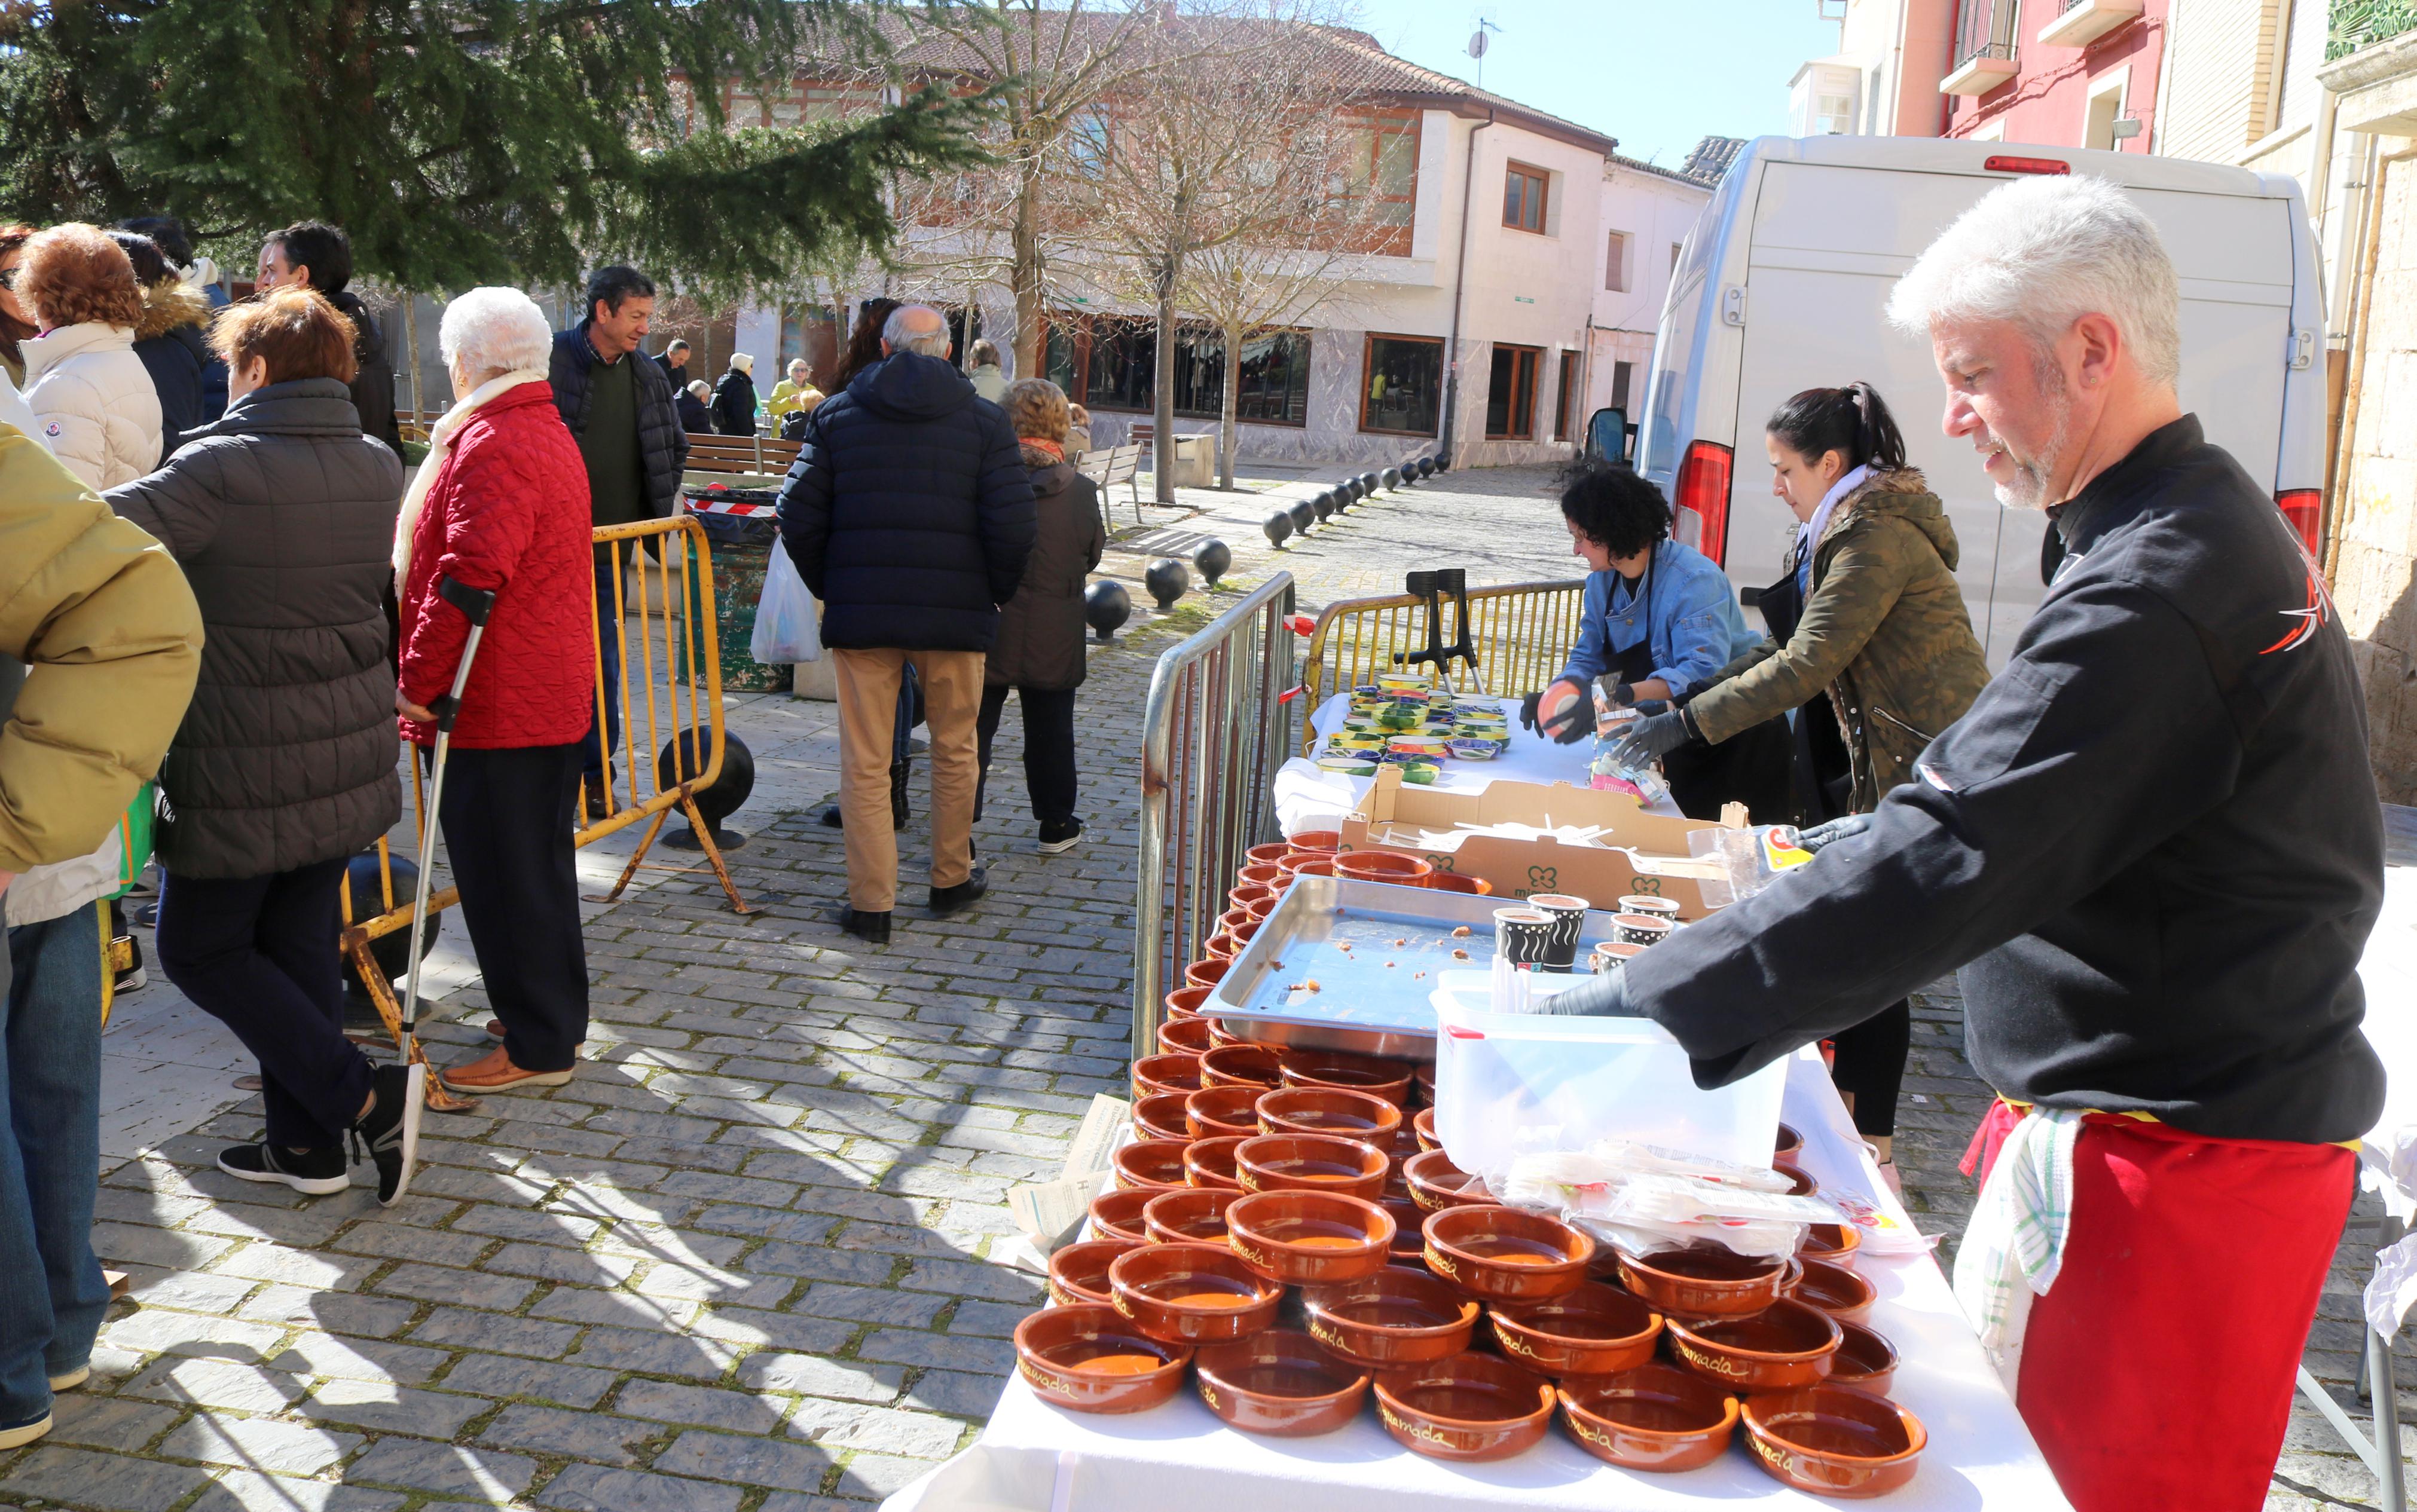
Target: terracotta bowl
{"points": [[1264, 907], [1262, 873], [1790, 1145], [1424, 1126], [1864, 1360], [1184, 1001], [1213, 1113], [1210, 1163], [1235, 915], [1196, 1216], [1506, 1254], [1150, 1165], [1243, 931], [1307, 866], [1312, 1162], [1192, 1293], [1092, 1359], [1452, 882], [1595, 1330], [1707, 1281], [1398, 1316], [1834, 1441], [1183, 1036], [1836, 1291], [1279, 1382], [1834, 1242], [1389, 1080], [1117, 1215], [1310, 1238], [1219, 1036], [1471, 1407], [1787, 1345], [1437, 1184], [1160, 1116], [1154, 1074], [1206, 973], [1655, 1418], [1383, 866], [1804, 1183], [1078, 1274], [1241, 1065], [1267, 855], [1315, 841], [1249, 893], [1221, 946], [1352, 1116], [1409, 1236]]}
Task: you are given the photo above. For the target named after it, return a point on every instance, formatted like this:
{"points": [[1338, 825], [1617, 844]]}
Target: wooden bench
{"points": [[759, 456], [1109, 466]]}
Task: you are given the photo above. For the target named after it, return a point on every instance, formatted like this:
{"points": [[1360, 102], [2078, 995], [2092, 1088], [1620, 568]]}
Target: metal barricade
{"points": [[1522, 633], [1217, 726], [670, 690]]}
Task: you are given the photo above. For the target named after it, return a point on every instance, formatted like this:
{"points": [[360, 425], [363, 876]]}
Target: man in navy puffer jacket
{"points": [[909, 515]]}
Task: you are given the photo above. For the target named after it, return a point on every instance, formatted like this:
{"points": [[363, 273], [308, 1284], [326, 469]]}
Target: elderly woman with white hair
{"points": [[501, 505], [2153, 850], [733, 398]]}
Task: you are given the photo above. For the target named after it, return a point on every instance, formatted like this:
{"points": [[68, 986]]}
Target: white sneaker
{"points": [[25, 1433], [73, 1378]]}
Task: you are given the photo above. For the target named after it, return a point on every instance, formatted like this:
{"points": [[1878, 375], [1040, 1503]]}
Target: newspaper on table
{"points": [[1051, 1213]]}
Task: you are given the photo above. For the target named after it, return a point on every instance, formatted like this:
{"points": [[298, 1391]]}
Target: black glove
{"points": [[1573, 723], [1831, 833], [1620, 694], [1600, 996], [1649, 740]]}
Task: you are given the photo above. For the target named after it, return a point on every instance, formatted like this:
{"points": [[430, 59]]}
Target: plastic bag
{"points": [[786, 631]]}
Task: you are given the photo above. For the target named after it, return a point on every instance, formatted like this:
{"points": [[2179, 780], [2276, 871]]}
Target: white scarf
{"points": [[440, 445]]}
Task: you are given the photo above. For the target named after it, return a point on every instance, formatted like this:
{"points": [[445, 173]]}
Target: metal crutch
{"points": [[475, 605]]}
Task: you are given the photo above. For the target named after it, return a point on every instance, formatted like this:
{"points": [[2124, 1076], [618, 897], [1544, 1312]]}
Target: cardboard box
{"points": [[1639, 852]]}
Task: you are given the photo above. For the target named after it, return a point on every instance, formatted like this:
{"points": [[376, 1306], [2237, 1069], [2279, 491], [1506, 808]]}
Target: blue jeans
{"points": [[49, 1157]]}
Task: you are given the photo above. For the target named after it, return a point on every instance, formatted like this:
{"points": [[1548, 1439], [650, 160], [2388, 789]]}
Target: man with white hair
{"points": [[2155, 850], [909, 514]]}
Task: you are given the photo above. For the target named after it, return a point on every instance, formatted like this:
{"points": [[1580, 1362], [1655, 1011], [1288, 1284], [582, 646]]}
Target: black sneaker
{"points": [[389, 1131], [956, 900], [873, 928], [1056, 838], [830, 818], [312, 1172]]}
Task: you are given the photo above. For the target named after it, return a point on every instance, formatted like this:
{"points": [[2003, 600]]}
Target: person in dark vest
{"points": [[315, 253]]}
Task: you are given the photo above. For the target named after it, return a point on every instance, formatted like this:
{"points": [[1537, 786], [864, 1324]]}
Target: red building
{"points": [[2067, 73]]}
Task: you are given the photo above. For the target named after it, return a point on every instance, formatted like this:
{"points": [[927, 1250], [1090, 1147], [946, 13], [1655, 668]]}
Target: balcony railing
{"points": [[1988, 51]]}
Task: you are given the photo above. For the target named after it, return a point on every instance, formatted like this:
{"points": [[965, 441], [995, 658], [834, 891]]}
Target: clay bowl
{"points": [[1183, 1036], [1471, 1407], [1160, 1116], [1437, 1184], [1834, 1242], [1221, 946], [1215, 1113], [1785, 1346], [1249, 893], [1451, 882], [1150, 1165], [1383, 866], [1266, 855], [1312, 1162], [1280, 1383], [1219, 1036], [1422, 1124], [1210, 1163], [1834, 1441], [1262, 873], [1310, 1238], [1117, 1215], [1206, 973], [1864, 1360], [1154, 1074], [1505, 1254], [1595, 1330], [1706, 1281], [1399, 1316], [1655, 1418], [1264, 907], [1243, 932], [1410, 1238], [1315, 841], [1078, 1274], [1092, 1359], [1306, 865], [1836, 1291], [1236, 914], [1192, 1293], [1790, 1145], [1196, 1216], [1352, 1116], [1389, 1080], [1240, 1064], [1184, 1001], [1804, 1183]]}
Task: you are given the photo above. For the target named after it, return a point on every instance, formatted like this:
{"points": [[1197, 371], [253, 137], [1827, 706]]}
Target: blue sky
{"points": [[1657, 74]]}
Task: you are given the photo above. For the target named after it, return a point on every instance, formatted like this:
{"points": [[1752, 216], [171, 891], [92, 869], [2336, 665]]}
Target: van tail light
{"points": [[1704, 491], [2304, 509], [2001, 164]]}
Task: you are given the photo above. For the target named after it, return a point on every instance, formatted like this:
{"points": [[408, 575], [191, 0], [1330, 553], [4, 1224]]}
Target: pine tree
{"points": [[463, 141]]}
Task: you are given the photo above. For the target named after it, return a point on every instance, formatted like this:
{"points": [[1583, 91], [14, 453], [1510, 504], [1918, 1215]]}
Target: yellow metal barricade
{"points": [[670, 690], [1522, 633]]}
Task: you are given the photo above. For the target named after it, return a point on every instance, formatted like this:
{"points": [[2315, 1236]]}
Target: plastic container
{"points": [[1515, 1083]]}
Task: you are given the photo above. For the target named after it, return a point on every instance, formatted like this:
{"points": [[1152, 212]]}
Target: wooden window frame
{"points": [[1379, 239], [1543, 180], [1367, 361], [1615, 262], [1535, 355]]}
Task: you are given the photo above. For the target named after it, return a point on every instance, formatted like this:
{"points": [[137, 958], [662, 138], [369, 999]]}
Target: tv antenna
{"points": [[1478, 45]]}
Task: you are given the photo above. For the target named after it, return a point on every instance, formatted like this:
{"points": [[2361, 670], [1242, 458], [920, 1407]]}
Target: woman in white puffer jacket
{"points": [[90, 394]]}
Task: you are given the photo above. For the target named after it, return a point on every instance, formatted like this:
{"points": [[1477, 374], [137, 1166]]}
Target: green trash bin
{"points": [[742, 547]]}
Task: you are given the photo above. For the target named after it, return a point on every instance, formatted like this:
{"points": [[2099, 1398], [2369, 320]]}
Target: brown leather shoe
{"points": [[495, 1072]]}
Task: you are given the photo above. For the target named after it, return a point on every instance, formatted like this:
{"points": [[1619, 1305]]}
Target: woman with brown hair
{"points": [[90, 394], [863, 343], [16, 326]]}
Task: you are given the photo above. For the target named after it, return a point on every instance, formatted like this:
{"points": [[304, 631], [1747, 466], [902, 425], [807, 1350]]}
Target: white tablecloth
{"points": [[1307, 799], [2388, 1156], [1035, 1457]]}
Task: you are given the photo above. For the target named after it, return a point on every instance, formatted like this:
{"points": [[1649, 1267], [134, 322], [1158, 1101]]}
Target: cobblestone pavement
{"points": [[746, 1262]]}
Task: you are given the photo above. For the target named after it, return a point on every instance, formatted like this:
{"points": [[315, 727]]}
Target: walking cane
{"points": [[475, 604]]}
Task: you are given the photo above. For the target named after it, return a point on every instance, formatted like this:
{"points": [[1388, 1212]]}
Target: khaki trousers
{"points": [[868, 709]]}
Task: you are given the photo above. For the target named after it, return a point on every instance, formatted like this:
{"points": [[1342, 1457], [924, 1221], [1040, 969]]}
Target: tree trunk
{"points": [[1162, 456], [1023, 239], [1229, 429], [411, 338]]}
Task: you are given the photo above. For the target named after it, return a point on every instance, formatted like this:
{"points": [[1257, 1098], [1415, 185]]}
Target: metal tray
{"points": [[1372, 997]]}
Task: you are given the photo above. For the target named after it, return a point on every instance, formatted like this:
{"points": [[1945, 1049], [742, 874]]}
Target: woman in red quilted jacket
{"points": [[501, 505]]}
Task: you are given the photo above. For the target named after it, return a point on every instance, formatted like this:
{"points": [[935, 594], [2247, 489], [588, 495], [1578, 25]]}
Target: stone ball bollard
{"points": [[1106, 606], [1167, 579], [1278, 527], [1214, 559], [1302, 516]]}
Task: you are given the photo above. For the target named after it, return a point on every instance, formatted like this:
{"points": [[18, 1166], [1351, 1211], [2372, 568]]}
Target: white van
{"points": [[1783, 283]]}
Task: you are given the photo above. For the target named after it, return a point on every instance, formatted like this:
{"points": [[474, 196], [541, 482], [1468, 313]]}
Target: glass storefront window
{"points": [[1403, 386]]}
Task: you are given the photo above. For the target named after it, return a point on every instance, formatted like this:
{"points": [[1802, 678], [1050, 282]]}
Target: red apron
{"points": [[2158, 1370]]}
